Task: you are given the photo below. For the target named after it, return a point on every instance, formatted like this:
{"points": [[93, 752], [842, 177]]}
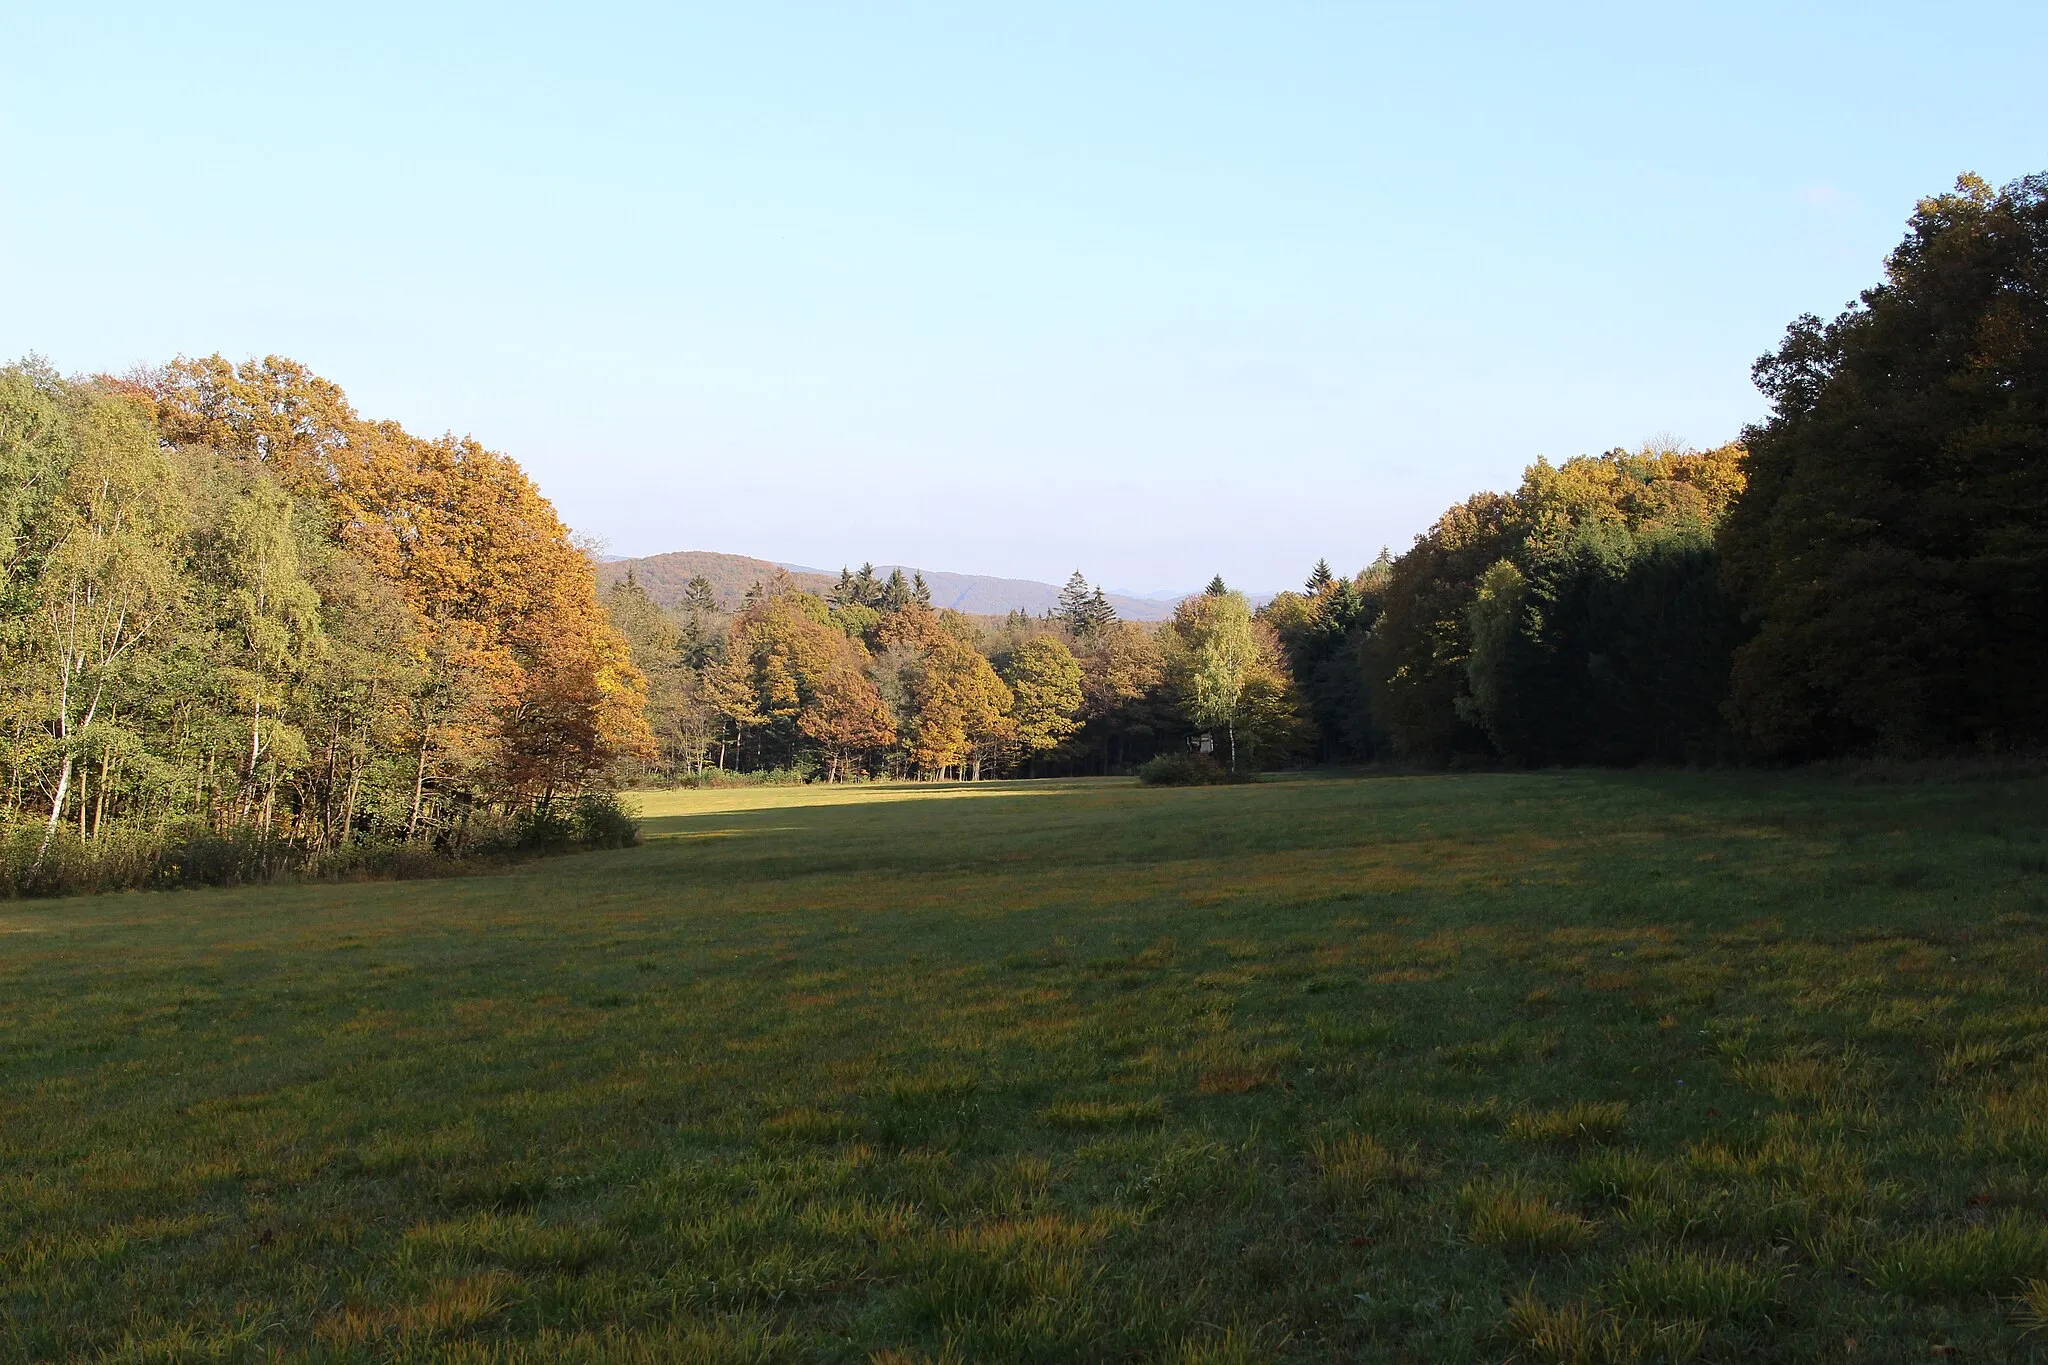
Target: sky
{"points": [[1154, 291]]}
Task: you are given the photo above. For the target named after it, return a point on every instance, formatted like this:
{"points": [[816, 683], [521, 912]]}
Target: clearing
{"points": [[1580, 1066]]}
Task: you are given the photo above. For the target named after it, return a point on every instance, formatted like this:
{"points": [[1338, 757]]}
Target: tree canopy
{"points": [[1892, 549], [232, 603]]}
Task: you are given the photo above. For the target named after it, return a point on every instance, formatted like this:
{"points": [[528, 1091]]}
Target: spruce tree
{"points": [[920, 591], [1215, 588], [1100, 614], [867, 588], [1073, 603], [1320, 578]]}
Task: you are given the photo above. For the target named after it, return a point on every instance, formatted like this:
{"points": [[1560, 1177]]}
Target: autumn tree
{"points": [[1125, 706], [800, 680], [1045, 683], [954, 707]]}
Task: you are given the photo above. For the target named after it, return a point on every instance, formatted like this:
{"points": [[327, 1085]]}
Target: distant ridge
{"points": [[667, 577]]}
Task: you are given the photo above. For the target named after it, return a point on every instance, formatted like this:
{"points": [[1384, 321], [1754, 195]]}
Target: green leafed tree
{"points": [[111, 580], [1045, 682], [1892, 545], [1217, 657]]}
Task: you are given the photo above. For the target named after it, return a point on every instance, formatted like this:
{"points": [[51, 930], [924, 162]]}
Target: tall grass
{"points": [[123, 858]]}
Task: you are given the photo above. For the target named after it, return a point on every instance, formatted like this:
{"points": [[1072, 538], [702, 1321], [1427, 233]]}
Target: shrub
{"points": [[549, 828], [602, 821], [1187, 770]]}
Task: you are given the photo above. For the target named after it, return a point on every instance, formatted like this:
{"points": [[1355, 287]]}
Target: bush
{"points": [[592, 820], [603, 822], [546, 829], [1188, 770]]}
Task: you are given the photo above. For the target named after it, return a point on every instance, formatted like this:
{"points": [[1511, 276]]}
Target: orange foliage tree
{"points": [[516, 687]]}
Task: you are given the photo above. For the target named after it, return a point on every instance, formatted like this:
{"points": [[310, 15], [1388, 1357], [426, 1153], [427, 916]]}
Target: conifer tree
{"points": [[1072, 607], [1098, 614], [844, 592]]}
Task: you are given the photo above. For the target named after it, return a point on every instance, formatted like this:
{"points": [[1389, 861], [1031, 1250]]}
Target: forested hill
{"points": [[667, 577], [980, 595]]}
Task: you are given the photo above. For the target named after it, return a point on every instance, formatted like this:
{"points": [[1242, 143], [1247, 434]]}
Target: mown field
{"points": [[1551, 1067]]}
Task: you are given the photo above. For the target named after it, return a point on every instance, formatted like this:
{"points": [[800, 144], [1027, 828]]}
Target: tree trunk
{"points": [[1230, 728], [65, 733], [348, 809], [419, 784], [99, 815], [56, 814]]}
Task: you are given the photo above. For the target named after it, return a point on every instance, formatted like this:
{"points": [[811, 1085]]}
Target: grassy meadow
{"points": [[1574, 1067]]}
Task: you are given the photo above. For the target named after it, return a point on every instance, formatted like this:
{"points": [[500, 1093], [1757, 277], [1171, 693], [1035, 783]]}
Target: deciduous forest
{"points": [[246, 630]]}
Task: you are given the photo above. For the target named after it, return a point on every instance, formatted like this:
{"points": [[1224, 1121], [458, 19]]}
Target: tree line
{"points": [[869, 680], [240, 621], [1865, 571], [236, 615]]}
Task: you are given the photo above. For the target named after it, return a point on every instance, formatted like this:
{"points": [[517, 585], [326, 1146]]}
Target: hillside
{"points": [[666, 577]]}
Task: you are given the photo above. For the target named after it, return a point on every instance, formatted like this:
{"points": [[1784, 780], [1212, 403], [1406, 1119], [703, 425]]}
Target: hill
{"points": [[667, 577]]}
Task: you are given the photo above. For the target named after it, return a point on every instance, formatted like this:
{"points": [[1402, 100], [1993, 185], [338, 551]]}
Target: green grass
{"points": [[1578, 1067]]}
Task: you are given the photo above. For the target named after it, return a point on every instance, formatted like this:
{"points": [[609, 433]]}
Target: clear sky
{"points": [[1154, 290]]}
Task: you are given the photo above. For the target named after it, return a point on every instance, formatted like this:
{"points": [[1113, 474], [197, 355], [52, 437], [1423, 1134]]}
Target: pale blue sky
{"points": [[1155, 290]]}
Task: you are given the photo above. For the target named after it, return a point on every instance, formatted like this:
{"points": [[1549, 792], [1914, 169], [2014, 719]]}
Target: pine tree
{"points": [[1215, 588], [1320, 578], [1099, 614], [867, 589], [895, 595], [845, 593], [920, 591], [1073, 603]]}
